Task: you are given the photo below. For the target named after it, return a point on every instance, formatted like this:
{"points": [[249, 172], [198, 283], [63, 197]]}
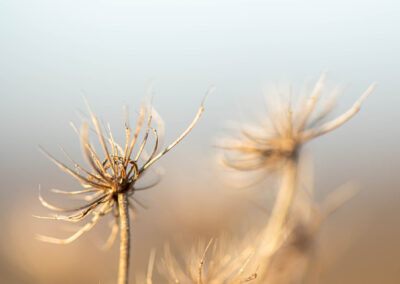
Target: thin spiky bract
{"points": [[111, 182]]}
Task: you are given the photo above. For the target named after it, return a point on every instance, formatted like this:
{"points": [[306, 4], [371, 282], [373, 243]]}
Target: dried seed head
{"points": [[116, 174], [268, 145], [219, 261]]}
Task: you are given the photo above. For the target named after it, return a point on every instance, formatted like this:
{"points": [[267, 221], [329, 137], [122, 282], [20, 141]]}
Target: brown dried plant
{"points": [[279, 137], [111, 182], [220, 261], [275, 144]]}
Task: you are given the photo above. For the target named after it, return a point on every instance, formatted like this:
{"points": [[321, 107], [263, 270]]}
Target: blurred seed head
{"points": [[220, 261], [268, 145]]}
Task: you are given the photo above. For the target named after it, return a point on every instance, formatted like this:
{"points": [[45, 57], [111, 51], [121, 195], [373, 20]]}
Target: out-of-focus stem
{"points": [[124, 239], [273, 233]]}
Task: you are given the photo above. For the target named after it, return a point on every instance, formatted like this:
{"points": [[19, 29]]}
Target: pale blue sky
{"points": [[54, 52]]}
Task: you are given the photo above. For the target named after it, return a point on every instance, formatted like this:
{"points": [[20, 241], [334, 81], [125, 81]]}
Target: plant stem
{"points": [[124, 239], [273, 233]]}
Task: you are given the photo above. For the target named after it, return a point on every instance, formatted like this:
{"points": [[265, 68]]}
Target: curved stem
{"points": [[124, 238], [273, 233]]}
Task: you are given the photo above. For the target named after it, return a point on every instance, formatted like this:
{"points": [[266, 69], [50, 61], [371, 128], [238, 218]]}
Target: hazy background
{"points": [[52, 53]]}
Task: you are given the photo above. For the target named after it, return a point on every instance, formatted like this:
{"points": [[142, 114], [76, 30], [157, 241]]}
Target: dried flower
{"points": [[221, 261], [275, 144], [269, 145], [117, 173], [111, 182]]}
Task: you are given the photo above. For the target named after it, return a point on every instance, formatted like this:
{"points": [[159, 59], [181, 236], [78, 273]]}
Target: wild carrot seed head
{"points": [[268, 145], [116, 174]]}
